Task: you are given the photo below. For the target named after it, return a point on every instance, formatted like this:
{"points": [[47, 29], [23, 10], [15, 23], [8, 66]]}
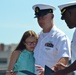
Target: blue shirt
{"points": [[25, 62]]}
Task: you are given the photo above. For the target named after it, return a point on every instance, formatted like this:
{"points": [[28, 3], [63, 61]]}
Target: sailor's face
{"points": [[69, 19], [44, 21]]}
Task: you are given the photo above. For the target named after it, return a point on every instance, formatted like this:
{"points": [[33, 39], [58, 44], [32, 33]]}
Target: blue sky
{"points": [[17, 16]]}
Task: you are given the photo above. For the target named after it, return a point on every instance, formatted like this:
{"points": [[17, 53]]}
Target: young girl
{"points": [[22, 57]]}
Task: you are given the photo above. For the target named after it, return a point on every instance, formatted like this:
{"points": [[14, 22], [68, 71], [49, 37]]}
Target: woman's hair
{"points": [[27, 34]]}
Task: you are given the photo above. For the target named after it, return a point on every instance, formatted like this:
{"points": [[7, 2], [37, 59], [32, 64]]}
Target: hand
{"points": [[11, 73], [14, 73], [40, 69], [58, 66]]}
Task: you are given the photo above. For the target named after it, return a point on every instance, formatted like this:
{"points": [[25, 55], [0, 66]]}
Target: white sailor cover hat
{"points": [[65, 7], [42, 9]]}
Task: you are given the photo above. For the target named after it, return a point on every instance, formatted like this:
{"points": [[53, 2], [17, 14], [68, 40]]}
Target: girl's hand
{"points": [[40, 69], [11, 73]]}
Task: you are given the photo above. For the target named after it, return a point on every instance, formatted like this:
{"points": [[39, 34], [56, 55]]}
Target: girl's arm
{"points": [[14, 56]]}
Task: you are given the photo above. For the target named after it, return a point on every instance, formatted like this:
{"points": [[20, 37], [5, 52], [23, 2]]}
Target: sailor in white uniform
{"points": [[68, 12], [53, 45]]}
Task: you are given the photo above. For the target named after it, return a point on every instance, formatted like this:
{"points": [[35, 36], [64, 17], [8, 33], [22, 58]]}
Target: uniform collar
{"points": [[51, 33]]}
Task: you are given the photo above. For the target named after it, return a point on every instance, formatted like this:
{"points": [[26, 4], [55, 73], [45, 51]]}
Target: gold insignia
{"points": [[37, 9], [50, 11], [63, 11]]}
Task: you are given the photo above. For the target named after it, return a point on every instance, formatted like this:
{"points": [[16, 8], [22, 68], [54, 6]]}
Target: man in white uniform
{"points": [[68, 12], [53, 45]]}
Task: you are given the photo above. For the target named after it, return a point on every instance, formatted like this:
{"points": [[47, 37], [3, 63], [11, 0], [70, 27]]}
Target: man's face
{"points": [[45, 20], [70, 19]]}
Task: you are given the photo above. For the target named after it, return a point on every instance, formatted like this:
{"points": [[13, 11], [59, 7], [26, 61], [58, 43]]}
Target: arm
{"points": [[64, 53], [13, 58], [61, 64], [67, 70]]}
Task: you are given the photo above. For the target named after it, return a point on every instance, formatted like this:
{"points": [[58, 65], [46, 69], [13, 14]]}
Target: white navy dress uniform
{"points": [[51, 46], [63, 9], [73, 46]]}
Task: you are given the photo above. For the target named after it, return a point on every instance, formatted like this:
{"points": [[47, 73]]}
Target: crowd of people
{"points": [[51, 47]]}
